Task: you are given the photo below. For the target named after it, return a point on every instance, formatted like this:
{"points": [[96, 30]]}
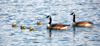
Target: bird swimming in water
{"points": [[55, 26], [14, 25], [38, 23], [22, 27], [81, 23], [32, 29]]}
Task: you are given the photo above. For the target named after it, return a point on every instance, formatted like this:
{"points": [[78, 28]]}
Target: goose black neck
{"points": [[50, 21], [73, 18]]}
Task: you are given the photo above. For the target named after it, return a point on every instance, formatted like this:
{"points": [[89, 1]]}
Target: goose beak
{"points": [[46, 17]]}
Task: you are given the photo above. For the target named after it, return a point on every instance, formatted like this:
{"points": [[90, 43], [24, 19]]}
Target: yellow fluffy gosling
{"points": [[32, 29], [38, 23], [14, 25], [22, 27]]}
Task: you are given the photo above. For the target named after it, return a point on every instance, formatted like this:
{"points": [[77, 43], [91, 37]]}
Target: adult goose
{"points": [[81, 23], [55, 26]]}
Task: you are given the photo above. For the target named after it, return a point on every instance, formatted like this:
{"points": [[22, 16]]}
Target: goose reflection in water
{"points": [[49, 32], [73, 35], [74, 31]]}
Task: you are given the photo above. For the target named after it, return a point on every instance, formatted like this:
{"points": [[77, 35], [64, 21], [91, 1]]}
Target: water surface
{"points": [[28, 12]]}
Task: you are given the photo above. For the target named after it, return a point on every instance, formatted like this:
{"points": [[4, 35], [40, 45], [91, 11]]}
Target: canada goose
{"points": [[81, 23], [32, 29], [55, 26], [14, 25], [22, 27], [38, 23]]}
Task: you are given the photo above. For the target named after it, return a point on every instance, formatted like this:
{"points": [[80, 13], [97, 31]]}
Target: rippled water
{"points": [[28, 12]]}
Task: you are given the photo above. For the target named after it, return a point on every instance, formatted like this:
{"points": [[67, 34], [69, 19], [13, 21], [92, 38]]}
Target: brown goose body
{"points": [[84, 23], [56, 26], [81, 23]]}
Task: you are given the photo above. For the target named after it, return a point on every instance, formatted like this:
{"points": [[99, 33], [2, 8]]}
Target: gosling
{"points": [[32, 29], [14, 25], [38, 23], [22, 27]]}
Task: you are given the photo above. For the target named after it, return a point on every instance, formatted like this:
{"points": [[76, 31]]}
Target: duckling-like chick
{"points": [[38, 23], [14, 25], [22, 27], [32, 29]]}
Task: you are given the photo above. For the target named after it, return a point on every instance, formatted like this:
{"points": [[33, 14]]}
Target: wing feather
{"points": [[58, 26]]}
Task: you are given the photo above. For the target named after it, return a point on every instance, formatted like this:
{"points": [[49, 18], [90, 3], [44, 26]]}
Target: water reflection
{"points": [[49, 32], [73, 35], [73, 31]]}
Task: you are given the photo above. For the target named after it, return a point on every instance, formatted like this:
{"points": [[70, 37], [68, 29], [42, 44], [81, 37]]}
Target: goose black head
{"points": [[72, 14], [48, 16]]}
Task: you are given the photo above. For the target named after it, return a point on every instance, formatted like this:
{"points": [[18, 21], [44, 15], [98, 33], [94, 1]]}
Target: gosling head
{"points": [[48, 16], [12, 24], [21, 26], [72, 14], [30, 28]]}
